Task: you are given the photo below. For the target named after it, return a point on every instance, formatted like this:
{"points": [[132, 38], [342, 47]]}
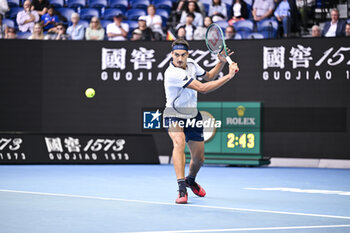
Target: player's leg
{"points": [[197, 160], [197, 156], [179, 142]]}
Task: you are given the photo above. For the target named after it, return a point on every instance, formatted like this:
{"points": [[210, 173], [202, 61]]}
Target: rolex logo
{"points": [[240, 111]]}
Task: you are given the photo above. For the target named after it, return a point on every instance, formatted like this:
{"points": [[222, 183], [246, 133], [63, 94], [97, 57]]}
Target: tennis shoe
{"points": [[182, 198], [196, 189]]}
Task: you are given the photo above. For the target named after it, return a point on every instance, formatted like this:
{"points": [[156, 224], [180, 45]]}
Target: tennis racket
{"points": [[215, 40]]}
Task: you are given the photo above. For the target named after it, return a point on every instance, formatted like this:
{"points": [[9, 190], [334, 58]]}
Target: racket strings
{"points": [[215, 39]]}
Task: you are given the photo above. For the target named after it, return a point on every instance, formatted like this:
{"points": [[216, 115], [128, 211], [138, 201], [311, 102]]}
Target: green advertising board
{"points": [[235, 135]]}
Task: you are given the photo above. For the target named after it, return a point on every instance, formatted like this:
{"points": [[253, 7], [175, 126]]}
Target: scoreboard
{"points": [[236, 136]]}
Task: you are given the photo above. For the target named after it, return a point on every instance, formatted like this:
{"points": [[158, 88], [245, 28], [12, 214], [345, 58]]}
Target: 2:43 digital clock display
{"points": [[242, 140], [245, 142]]}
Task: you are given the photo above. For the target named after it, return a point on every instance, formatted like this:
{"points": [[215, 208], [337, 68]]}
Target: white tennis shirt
{"points": [[181, 101]]}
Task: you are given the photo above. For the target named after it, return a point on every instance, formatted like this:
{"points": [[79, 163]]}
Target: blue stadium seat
{"points": [[13, 3], [163, 4], [119, 4], [57, 3], [268, 27], [12, 14], [76, 3], [208, 2], [88, 13], [104, 23], [206, 7], [244, 26], [164, 14], [132, 24], [9, 22], [66, 12], [85, 23], [98, 3], [134, 14], [228, 7], [243, 34], [23, 35], [110, 13], [255, 35], [140, 4], [238, 36], [228, 2], [223, 24], [250, 10]]}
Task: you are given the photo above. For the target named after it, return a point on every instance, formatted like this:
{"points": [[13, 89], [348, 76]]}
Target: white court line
{"points": [[298, 190], [249, 229], [173, 204]]}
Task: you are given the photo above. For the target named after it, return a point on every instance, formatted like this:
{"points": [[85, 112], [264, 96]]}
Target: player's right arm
{"points": [[213, 85]]}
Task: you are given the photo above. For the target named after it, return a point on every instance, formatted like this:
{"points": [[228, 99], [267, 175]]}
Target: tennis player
{"points": [[181, 87]]}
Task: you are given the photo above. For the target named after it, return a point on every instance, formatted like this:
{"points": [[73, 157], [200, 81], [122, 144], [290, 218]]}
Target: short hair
{"points": [[27, 1], [190, 14], [180, 41], [61, 24], [213, 3], [75, 15], [230, 26], [316, 27], [153, 6], [336, 10]]}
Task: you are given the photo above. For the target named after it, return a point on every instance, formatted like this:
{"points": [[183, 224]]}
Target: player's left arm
{"points": [[213, 73]]}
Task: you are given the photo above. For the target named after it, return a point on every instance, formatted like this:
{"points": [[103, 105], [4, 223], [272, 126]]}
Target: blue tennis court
{"points": [[140, 198]]}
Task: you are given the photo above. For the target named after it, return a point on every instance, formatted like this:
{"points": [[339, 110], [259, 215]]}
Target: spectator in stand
{"points": [[230, 33], [41, 6], [95, 31], [181, 33], [240, 11], [38, 32], [136, 34], [76, 30], [199, 33], [283, 16], [262, 9], [117, 30], [217, 10], [58, 33], [49, 19], [306, 11], [347, 30], [182, 4], [193, 8], [27, 18], [11, 33], [147, 33], [316, 31], [4, 7], [335, 27], [3, 28], [188, 26], [154, 22]]}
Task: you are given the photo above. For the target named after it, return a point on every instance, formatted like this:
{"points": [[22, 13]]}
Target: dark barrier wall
{"points": [[77, 149], [304, 85]]}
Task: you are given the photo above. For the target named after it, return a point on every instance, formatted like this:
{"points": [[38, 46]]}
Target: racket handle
{"points": [[228, 59]]}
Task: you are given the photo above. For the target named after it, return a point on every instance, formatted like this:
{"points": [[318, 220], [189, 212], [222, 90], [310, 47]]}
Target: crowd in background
{"points": [[189, 19]]}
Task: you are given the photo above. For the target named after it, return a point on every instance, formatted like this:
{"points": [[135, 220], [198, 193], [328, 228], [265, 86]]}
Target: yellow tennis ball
{"points": [[90, 92]]}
